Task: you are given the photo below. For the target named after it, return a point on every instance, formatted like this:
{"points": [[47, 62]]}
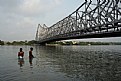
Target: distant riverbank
{"points": [[33, 42], [84, 43], [17, 42]]}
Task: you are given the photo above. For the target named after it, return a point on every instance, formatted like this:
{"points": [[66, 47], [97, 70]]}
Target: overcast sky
{"points": [[19, 18]]}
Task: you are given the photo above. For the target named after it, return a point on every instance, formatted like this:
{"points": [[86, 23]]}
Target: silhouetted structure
{"points": [[98, 19]]}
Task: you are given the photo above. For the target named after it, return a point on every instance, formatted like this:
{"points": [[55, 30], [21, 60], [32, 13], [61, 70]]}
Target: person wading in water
{"points": [[31, 56], [21, 53], [20, 57]]}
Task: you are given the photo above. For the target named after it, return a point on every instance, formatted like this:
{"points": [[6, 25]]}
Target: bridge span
{"points": [[98, 19]]}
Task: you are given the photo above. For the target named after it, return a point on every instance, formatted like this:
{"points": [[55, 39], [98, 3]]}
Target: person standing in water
{"points": [[20, 58], [31, 56], [21, 53]]}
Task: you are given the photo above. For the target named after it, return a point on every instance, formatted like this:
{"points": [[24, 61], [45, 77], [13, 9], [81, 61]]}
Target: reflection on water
{"points": [[30, 61], [21, 61], [61, 63], [83, 63]]}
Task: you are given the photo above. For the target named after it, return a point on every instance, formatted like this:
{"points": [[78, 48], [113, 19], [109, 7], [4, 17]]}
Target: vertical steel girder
{"points": [[91, 17]]}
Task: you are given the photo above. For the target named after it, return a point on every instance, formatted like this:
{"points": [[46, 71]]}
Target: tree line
{"points": [[18, 42], [85, 43], [32, 42]]}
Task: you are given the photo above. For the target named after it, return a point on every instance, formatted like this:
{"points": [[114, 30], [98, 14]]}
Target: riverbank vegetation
{"points": [[1, 42], [32, 42], [18, 42], [85, 43]]}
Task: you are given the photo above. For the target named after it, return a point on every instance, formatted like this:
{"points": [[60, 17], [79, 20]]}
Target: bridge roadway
{"points": [[91, 20]]}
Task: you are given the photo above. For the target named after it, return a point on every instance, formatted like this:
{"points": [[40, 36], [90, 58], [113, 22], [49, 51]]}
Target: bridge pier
{"points": [[40, 44]]}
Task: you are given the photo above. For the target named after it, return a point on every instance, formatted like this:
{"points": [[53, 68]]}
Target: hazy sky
{"points": [[19, 18]]}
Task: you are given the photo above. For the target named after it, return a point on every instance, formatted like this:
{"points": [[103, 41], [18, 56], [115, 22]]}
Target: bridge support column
{"points": [[42, 44]]}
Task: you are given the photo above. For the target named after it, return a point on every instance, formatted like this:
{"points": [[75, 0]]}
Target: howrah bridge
{"points": [[93, 19]]}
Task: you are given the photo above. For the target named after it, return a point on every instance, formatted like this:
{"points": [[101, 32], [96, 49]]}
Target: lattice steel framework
{"points": [[91, 18]]}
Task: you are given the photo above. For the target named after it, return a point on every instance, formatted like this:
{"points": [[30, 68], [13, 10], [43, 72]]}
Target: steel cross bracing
{"points": [[91, 18]]}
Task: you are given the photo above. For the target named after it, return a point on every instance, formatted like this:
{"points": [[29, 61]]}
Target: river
{"points": [[61, 63]]}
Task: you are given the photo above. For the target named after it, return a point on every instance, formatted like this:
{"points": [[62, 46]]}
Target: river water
{"points": [[61, 63]]}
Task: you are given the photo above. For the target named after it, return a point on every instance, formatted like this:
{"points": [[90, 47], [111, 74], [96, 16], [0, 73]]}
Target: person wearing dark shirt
{"points": [[31, 56], [21, 53], [20, 57]]}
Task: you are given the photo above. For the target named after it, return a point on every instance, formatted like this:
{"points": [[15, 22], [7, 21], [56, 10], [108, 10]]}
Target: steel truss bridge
{"points": [[93, 19]]}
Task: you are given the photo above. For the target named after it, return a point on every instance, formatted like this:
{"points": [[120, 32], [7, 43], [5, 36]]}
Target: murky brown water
{"points": [[61, 63]]}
